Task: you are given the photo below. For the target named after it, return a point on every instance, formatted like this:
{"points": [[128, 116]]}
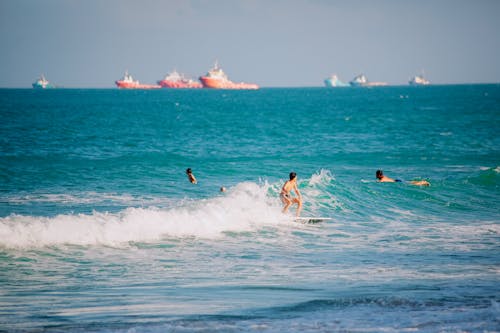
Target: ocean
{"points": [[101, 231]]}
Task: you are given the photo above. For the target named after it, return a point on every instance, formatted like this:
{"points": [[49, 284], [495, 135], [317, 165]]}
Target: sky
{"points": [[274, 43]]}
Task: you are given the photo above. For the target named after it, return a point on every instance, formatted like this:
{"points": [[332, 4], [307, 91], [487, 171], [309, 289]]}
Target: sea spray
{"points": [[241, 208]]}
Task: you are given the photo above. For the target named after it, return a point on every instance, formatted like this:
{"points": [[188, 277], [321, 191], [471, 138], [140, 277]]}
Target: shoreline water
{"points": [[101, 231]]}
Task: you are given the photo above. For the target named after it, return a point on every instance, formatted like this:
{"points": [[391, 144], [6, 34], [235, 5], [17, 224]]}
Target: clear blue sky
{"points": [[90, 43]]}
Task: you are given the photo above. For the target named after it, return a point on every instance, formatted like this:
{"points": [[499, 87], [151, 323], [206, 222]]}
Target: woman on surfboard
{"points": [[287, 198]]}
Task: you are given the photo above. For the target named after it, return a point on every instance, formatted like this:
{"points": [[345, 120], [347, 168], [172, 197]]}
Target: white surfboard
{"points": [[311, 219]]}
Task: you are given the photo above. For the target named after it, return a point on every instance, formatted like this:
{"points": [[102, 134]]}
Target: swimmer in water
{"points": [[287, 198], [384, 179], [191, 177]]}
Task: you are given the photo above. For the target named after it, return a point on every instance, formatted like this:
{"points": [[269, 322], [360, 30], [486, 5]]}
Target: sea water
{"points": [[101, 231]]}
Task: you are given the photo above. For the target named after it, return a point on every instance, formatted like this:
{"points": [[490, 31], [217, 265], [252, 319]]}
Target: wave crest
{"points": [[241, 209]]}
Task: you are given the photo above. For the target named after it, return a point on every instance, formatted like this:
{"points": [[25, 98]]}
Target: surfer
{"points": [[191, 177], [287, 198], [384, 179]]}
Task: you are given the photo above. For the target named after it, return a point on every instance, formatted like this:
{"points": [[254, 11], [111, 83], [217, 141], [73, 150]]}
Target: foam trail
{"points": [[243, 208], [83, 198]]}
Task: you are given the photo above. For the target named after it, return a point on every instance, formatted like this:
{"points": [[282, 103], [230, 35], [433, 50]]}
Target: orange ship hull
{"points": [[216, 83], [174, 84], [134, 85]]}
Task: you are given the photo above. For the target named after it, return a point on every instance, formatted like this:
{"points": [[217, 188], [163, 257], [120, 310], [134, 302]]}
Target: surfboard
{"points": [[311, 219]]}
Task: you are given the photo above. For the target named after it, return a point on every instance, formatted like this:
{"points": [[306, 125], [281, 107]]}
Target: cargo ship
{"points": [[127, 82], [334, 81], [42, 83], [217, 79], [176, 80], [362, 81]]}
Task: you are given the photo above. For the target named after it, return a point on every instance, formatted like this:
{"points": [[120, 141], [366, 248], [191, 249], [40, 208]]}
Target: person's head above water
{"points": [[379, 174], [293, 175], [188, 171]]}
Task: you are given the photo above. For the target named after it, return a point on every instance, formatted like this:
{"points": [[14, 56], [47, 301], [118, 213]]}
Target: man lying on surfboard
{"points": [[384, 179], [287, 198]]}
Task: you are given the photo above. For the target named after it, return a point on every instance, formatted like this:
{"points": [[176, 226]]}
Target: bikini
{"points": [[284, 195]]}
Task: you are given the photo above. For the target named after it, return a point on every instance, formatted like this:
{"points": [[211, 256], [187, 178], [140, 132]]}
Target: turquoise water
{"points": [[101, 231]]}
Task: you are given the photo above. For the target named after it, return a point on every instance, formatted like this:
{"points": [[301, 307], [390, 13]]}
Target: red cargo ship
{"points": [[217, 79], [176, 80], [127, 82]]}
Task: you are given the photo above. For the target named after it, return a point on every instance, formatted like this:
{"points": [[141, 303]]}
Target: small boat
{"points": [[217, 79], [418, 80], [362, 81], [42, 83], [176, 80], [128, 82], [334, 81]]}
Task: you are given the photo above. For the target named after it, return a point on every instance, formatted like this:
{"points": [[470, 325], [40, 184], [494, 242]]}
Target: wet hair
{"points": [[379, 174], [188, 170], [292, 175]]}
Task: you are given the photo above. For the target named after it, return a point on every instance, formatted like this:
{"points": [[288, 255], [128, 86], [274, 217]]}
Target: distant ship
{"points": [[418, 80], [176, 80], [217, 79], [362, 81], [334, 81], [42, 83], [127, 82]]}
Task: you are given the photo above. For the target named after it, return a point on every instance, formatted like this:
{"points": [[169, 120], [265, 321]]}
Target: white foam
{"points": [[243, 208], [318, 194], [402, 212], [83, 198], [323, 177]]}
